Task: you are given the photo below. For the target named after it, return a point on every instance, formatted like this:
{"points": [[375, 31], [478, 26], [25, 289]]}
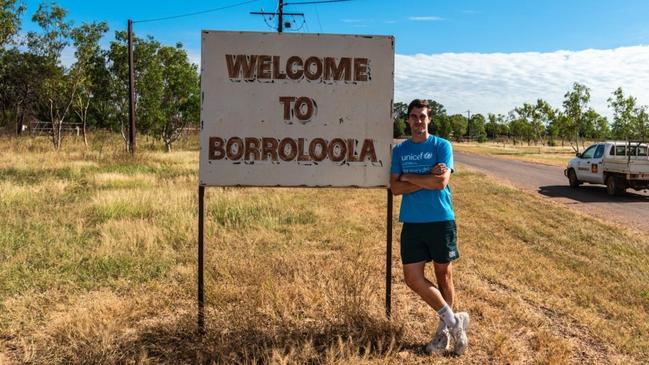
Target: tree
{"points": [[181, 95], [544, 114], [149, 81], [595, 126], [641, 123], [60, 88], [10, 13], [438, 119], [86, 40], [21, 75], [476, 126], [55, 31], [520, 128], [623, 114], [400, 114], [602, 131], [399, 128], [575, 104], [458, 124], [491, 127]]}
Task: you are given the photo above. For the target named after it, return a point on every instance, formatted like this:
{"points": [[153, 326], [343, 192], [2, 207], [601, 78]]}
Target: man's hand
{"points": [[439, 169]]}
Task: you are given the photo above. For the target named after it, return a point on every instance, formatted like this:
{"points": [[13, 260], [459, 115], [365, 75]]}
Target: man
{"points": [[421, 169]]}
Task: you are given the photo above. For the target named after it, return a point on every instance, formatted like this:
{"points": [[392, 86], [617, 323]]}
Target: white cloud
{"points": [[425, 18], [499, 82]]}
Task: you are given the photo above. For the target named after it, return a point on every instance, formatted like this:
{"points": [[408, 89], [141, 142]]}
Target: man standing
{"points": [[421, 169]]}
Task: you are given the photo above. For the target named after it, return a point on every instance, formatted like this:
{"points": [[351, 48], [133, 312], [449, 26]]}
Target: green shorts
{"points": [[434, 241]]}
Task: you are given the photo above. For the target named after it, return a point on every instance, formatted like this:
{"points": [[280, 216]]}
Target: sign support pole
{"points": [[388, 259], [201, 292]]}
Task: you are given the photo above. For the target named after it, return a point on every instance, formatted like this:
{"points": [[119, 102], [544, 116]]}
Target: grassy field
{"points": [[556, 156], [98, 266]]}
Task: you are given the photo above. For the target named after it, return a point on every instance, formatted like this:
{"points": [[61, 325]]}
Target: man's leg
{"points": [[444, 275], [414, 276]]}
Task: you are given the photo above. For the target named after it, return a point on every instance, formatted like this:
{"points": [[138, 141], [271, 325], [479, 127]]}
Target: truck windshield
{"points": [[589, 152]]}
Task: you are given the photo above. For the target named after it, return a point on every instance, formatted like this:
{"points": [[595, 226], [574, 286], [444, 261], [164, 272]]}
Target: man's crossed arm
{"points": [[437, 179]]}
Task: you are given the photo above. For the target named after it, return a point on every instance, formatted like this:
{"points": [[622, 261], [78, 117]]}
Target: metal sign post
{"points": [[295, 110], [388, 259], [201, 235]]}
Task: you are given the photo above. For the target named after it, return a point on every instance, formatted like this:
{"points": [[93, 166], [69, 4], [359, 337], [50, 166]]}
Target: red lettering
{"points": [[234, 148], [216, 150], [368, 150], [252, 148], [292, 149], [337, 154]]}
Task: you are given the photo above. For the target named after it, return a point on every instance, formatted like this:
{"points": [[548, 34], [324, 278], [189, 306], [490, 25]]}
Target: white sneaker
{"points": [[459, 333], [441, 341]]}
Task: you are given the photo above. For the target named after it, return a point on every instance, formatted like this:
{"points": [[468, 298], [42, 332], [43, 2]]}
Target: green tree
{"points": [[86, 40], [458, 125], [476, 126], [602, 130], [60, 88], [575, 105], [181, 95], [641, 123], [520, 128], [55, 31], [399, 116], [491, 127], [624, 113], [399, 128], [21, 75], [10, 13], [544, 114], [595, 125], [438, 119], [149, 84]]}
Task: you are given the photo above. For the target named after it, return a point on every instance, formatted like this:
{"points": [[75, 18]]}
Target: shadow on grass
{"points": [[262, 343]]}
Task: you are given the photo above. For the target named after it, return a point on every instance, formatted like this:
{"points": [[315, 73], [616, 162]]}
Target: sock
{"points": [[447, 315]]}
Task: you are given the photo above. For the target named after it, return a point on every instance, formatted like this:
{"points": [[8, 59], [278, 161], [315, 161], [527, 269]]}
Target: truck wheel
{"points": [[572, 179], [614, 186]]}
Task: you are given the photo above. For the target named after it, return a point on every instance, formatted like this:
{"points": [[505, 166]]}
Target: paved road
{"points": [[631, 209]]}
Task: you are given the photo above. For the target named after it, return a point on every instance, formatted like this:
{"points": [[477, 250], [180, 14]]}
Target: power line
{"points": [[317, 15], [196, 13]]}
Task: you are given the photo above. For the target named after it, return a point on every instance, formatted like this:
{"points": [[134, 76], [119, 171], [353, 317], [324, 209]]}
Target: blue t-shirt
{"points": [[423, 206]]}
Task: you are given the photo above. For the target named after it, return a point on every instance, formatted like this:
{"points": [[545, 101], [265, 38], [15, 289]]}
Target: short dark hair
{"points": [[418, 103]]}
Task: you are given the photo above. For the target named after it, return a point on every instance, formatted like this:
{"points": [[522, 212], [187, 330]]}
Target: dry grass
{"points": [[98, 252], [555, 156]]}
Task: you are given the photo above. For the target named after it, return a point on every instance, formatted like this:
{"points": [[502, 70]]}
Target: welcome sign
{"points": [[296, 109]]}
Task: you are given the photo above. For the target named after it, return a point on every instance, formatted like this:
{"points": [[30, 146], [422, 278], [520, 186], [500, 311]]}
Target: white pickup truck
{"points": [[617, 164]]}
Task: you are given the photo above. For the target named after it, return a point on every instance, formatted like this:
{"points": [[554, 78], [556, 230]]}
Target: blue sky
{"points": [[543, 42], [419, 26]]}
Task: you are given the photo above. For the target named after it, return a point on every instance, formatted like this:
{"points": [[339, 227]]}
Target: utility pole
{"points": [[280, 11], [280, 19], [131, 90], [468, 123], [280, 15]]}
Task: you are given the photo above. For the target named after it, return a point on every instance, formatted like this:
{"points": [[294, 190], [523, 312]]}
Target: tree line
{"points": [[93, 91], [540, 123]]}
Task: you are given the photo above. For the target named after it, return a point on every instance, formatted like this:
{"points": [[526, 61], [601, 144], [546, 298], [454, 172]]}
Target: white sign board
{"points": [[296, 109]]}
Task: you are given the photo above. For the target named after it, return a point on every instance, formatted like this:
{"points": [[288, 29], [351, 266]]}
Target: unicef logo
{"points": [[428, 155]]}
